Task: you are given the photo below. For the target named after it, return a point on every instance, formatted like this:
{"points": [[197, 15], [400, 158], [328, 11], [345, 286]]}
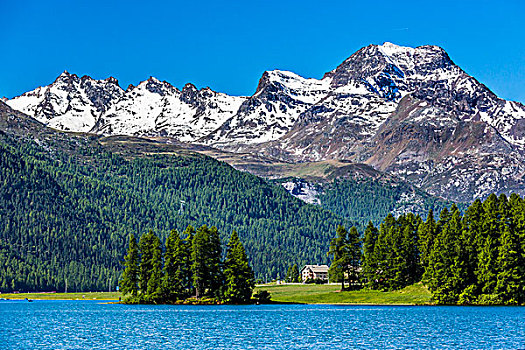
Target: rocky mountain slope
{"points": [[408, 112]]}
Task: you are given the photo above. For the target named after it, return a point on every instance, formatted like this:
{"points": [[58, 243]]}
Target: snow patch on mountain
{"points": [[157, 108], [280, 98]]}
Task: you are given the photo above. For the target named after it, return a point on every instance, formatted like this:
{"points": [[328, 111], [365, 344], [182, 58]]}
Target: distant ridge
{"points": [[409, 112]]}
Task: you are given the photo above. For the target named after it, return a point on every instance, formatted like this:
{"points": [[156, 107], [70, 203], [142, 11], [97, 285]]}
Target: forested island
{"points": [[190, 270], [473, 258]]}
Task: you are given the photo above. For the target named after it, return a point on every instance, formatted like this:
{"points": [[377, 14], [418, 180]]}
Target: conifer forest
{"points": [[475, 257]]}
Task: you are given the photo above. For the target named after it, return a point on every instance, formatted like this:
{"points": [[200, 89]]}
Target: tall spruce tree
{"points": [[172, 281], [487, 244], [238, 274], [381, 255], [295, 275], [146, 246], [354, 258], [199, 260], [154, 290], [369, 266], [439, 274], [510, 285], [459, 268], [186, 262], [471, 232], [214, 262], [130, 276], [397, 260], [341, 257], [426, 233]]}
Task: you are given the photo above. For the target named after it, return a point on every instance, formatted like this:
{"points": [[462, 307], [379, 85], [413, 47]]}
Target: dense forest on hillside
{"points": [[367, 200], [473, 258], [67, 205]]}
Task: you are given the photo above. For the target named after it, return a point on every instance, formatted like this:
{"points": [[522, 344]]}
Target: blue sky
{"points": [[228, 44]]}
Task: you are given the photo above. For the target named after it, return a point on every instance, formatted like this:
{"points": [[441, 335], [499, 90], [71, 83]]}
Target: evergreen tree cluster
{"points": [[473, 258], [188, 266]]}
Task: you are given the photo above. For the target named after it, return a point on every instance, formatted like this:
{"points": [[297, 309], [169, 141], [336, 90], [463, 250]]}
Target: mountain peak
{"points": [[153, 79], [189, 87], [111, 80], [67, 77], [390, 49]]}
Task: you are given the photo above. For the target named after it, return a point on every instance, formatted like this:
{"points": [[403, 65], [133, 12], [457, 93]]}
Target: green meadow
{"points": [[415, 294]]}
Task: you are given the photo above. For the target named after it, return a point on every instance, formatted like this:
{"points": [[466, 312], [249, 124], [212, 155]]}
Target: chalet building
{"points": [[314, 272]]}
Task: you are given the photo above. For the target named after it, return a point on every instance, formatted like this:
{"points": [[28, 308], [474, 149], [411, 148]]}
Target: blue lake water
{"points": [[91, 325]]}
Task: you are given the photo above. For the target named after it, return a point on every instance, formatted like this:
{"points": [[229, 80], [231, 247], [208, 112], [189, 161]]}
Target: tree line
{"points": [[188, 266], [475, 257]]}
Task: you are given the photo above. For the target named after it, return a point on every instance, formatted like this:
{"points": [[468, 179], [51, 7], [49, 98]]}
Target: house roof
{"points": [[316, 268]]}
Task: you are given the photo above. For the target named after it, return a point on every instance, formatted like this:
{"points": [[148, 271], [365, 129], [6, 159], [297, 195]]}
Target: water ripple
{"points": [[90, 325]]}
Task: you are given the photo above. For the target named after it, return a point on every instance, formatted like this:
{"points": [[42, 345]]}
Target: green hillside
{"points": [[364, 200], [68, 202]]}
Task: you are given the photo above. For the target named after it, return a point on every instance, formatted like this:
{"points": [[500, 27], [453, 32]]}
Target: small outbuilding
{"points": [[314, 272]]}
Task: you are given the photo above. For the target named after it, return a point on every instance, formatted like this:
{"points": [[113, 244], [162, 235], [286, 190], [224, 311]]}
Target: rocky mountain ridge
{"points": [[409, 112]]}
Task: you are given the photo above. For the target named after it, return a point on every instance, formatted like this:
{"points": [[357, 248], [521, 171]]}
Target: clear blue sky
{"points": [[228, 44]]}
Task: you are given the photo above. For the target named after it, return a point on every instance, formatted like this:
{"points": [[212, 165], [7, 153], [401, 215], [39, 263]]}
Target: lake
{"points": [[92, 325]]}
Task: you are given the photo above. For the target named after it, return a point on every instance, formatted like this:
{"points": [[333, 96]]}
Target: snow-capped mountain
{"points": [[366, 89], [70, 103], [152, 108], [410, 112]]}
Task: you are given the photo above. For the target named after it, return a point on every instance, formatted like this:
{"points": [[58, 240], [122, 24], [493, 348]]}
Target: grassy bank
{"points": [[330, 294], [288, 293], [64, 296]]}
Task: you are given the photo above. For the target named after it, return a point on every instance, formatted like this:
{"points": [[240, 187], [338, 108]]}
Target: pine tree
{"points": [[510, 284], [172, 283], [369, 260], [382, 255], [238, 273], [395, 275], [426, 233], [460, 264], [186, 262], [354, 258], [295, 275], [287, 277], [486, 271], [154, 286], [487, 244], [341, 259], [468, 251], [410, 250], [146, 245], [214, 262], [199, 260], [130, 276], [441, 277]]}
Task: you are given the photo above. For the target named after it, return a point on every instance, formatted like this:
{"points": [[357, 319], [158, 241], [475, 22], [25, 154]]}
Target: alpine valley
{"points": [[392, 129]]}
